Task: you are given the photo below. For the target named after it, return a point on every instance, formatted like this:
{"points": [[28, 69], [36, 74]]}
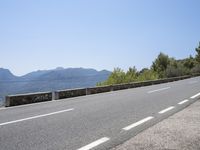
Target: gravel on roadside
{"points": [[178, 132]]}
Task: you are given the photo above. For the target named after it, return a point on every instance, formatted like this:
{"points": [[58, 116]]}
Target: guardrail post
{"points": [[111, 88], [55, 95], [87, 91], [7, 102]]}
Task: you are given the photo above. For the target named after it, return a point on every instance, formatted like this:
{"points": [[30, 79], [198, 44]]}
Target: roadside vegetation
{"points": [[162, 67]]}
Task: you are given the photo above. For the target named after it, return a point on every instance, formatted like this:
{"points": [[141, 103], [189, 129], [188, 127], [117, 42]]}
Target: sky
{"points": [[99, 34]]}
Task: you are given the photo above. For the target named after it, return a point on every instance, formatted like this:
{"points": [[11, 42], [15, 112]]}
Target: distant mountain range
{"points": [[49, 80]]}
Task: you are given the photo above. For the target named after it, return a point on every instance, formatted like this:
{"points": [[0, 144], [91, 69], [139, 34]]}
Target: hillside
{"points": [[49, 80]]}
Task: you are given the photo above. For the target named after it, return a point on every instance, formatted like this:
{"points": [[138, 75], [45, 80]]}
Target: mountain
{"points": [[6, 75], [49, 80], [35, 74]]}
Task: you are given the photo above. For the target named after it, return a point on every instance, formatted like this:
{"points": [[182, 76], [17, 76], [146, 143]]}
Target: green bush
{"points": [[147, 75], [172, 71], [196, 69], [163, 66], [131, 75]]}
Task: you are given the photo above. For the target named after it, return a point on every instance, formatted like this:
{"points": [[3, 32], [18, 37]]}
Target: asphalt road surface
{"points": [[100, 121]]}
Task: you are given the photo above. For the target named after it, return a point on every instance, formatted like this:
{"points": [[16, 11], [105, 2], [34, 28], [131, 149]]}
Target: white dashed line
{"points": [[166, 110], [34, 117], [94, 144], [138, 123], [149, 92], [193, 97], [182, 102]]}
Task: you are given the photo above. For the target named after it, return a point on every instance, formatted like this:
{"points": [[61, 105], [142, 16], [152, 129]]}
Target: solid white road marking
{"points": [[138, 123], [94, 144], [162, 89], [34, 117], [193, 97], [182, 102], [166, 110]]}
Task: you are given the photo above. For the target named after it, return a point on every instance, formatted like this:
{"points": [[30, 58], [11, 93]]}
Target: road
{"points": [[99, 121], [178, 132]]}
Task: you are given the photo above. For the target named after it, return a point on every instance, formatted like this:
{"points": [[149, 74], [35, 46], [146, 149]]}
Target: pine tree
{"points": [[198, 54]]}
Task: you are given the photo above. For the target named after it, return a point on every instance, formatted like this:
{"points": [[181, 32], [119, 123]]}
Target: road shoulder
{"points": [[180, 131]]}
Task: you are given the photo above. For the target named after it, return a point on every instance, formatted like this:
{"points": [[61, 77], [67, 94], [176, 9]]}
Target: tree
{"points": [[189, 62], [163, 66], [131, 75], [116, 77], [173, 62], [198, 54], [146, 74], [143, 70], [160, 64], [173, 71], [196, 69]]}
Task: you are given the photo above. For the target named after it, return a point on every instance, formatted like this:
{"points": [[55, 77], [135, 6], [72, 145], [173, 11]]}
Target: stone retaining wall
{"points": [[14, 100]]}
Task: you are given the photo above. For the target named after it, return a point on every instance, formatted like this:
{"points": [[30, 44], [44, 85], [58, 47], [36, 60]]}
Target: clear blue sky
{"points": [[100, 34]]}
